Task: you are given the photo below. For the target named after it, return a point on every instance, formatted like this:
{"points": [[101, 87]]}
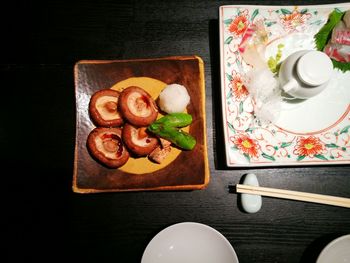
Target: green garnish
{"points": [[343, 66], [273, 62], [325, 33], [168, 126], [177, 120], [178, 137]]}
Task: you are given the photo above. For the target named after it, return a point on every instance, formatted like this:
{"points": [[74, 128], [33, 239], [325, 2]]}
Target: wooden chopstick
{"points": [[293, 195]]}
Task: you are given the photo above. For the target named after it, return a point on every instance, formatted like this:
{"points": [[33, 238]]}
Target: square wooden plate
{"points": [[184, 170]]}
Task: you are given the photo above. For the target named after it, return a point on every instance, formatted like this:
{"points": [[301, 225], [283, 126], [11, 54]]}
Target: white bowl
{"points": [[337, 251], [189, 243]]}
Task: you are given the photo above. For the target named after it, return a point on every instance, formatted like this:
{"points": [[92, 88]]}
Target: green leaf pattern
{"points": [[269, 157], [228, 40], [345, 129], [285, 11], [254, 14]]}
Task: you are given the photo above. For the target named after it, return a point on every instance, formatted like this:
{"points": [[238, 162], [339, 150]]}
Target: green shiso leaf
{"points": [[322, 37], [341, 65], [325, 33]]}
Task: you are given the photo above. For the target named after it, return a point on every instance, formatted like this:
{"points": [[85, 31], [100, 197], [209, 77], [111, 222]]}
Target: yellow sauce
{"points": [[143, 165]]}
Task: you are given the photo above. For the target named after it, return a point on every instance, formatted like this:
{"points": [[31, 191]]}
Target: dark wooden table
{"points": [[45, 221]]}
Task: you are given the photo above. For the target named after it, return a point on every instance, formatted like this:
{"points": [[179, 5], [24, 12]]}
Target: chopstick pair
{"points": [[293, 195]]}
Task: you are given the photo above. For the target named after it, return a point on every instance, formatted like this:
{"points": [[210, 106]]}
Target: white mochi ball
{"points": [[173, 98]]}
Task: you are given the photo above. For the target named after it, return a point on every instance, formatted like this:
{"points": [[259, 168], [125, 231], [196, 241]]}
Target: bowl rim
{"points": [[186, 224], [330, 244]]}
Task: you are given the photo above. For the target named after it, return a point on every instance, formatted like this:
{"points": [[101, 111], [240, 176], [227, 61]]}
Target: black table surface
{"points": [[46, 221]]}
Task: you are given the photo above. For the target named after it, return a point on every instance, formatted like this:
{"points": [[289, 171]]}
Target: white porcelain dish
{"points": [[337, 251], [315, 131], [189, 242]]}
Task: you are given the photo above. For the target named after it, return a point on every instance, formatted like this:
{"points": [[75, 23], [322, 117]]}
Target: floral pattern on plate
{"points": [[320, 137]]}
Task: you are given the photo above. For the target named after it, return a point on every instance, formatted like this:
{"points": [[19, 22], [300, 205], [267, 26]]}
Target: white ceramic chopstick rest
{"points": [[251, 203]]}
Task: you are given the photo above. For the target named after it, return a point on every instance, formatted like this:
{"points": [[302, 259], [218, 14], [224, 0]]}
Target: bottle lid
{"points": [[314, 68]]}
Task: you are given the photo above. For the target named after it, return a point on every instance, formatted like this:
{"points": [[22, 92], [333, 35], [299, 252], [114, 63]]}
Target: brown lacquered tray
{"points": [[183, 170]]}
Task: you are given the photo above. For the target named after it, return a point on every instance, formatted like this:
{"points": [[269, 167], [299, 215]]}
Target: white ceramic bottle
{"points": [[305, 73]]}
